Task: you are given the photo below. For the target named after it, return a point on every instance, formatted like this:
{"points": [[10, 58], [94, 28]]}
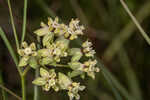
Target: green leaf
{"points": [[39, 81], [23, 61], [44, 72]]}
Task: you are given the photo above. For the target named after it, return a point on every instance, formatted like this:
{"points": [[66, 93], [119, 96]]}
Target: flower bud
{"points": [[23, 61], [64, 81], [76, 54], [33, 62], [47, 39]]}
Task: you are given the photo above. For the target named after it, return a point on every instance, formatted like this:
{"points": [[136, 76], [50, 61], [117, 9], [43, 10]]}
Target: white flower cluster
{"points": [[56, 50]]}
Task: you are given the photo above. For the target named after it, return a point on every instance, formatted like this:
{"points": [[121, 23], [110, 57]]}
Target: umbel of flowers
{"points": [[56, 51]]}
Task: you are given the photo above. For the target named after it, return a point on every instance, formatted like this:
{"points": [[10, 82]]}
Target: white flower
{"points": [[47, 80], [73, 90], [89, 67], [87, 49], [27, 50]]}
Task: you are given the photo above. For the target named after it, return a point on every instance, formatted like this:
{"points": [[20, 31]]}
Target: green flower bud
{"points": [[46, 87], [91, 74], [75, 65], [44, 52], [33, 62], [39, 81], [21, 52], [23, 61], [64, 81], [62, 43], [75, 73], [44, 73], [76, 54], [47, 39], [46, 60], [32, 46], [24, 44], [42, 31]]}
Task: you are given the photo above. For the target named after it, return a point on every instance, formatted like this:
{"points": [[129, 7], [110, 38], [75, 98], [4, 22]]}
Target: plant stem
{"points": [[135, 22], [10, 92], [13, 24], [115, 82], [126, 33], [36, 89], [37, 71], [26, 70], [132, 80], [4, 95], [11, 51], [59, 65], [24, 20], [23, 85]]}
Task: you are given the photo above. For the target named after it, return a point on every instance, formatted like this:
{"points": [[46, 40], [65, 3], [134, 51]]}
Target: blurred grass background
{"points": [[116, 39]]}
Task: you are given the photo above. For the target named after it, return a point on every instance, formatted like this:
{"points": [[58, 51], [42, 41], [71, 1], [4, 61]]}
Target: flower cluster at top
{"points": [[56, 51]]}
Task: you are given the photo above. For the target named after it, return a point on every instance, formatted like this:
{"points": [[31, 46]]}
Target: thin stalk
{"points": [[115, 92], [37, 72], [132, 80], [13, 24], [135, 22], [125, 34], [4, 95], [115, 82], [11, 51], [24, 20], [23, 85], [10, 92], [59, 65], [26, 70], [36, 89]]}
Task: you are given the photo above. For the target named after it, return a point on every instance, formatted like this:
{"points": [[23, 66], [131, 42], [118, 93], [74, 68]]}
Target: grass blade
{"points": [[146, 37], [24, 20], [13, 24], [11, 51]]}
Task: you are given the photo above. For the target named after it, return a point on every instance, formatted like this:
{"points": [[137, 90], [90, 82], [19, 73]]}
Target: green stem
{"points": [[135, 22], [115, 92], [36, 89], [26, 70], [37, 72], [10, 92], [126, 33], [24, 20], [4, 95], [23, 85], [59, 65], [132, 80], [115, 82], [11, 51], [13, 24]]}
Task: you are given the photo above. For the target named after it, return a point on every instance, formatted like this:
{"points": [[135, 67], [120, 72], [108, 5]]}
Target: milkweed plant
{"points": [[56, 53]]}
